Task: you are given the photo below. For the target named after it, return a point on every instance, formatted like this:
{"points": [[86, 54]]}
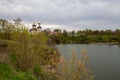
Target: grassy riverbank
{"points": [[27, 57]]}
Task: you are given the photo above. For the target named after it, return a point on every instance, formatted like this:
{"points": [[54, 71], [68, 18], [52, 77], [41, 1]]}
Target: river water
{"points": [[104, 59]]}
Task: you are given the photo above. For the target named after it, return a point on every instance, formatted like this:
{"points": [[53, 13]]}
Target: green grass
{"points": [[7, 73]]}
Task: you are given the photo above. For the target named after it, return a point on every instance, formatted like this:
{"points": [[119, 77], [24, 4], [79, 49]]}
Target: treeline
{"points": [[87, 36], [64, 37]]}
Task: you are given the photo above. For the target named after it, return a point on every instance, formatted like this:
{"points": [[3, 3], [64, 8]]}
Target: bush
{"points": [[28, 51]]}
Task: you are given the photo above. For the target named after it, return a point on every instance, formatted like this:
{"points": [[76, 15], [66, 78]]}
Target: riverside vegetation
{"points": [[26, 56], [87, 36]]}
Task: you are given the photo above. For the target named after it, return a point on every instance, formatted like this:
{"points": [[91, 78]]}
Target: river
{"points": [[104, 59]]}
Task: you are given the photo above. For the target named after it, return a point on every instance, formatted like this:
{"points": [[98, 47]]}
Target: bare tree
{"points": [[17, 21]]}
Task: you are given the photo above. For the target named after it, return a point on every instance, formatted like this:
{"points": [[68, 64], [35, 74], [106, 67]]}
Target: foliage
{"points": [[5, 29], [28, 50], [88, 36]]}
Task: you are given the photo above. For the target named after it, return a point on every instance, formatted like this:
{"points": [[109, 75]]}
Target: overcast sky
{"points": [[65, 14]]}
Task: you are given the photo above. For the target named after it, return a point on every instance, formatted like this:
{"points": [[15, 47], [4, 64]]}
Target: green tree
{"points": [[3, 23], [6, 29], [57, 30]]}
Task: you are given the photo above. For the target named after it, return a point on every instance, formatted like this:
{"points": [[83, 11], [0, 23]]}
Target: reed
{"points": [[76, 69]]}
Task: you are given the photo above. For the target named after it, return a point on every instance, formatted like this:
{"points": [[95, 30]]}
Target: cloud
{"points": [[76, 14]]}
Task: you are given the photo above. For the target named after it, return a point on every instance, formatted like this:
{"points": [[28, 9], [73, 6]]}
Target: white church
{"points": [[35, 28]]}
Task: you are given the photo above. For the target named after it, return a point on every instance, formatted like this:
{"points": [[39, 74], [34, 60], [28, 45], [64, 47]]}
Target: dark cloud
{"points": [[73, 13]]}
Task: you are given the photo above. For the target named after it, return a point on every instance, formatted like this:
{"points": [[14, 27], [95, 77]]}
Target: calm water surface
{"points": [[104, 59]]}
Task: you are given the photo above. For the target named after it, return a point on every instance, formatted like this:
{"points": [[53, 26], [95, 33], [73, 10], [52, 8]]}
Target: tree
{"points": [[3, 23], [117, 31], [17, 21], [6, 29], [57, 30], [108, 32], [65, 33]]}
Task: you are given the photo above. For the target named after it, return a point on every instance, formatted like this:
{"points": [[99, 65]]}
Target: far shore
{"points": [[106, 43]]}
